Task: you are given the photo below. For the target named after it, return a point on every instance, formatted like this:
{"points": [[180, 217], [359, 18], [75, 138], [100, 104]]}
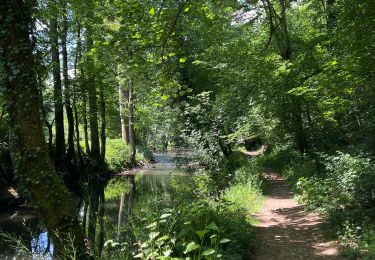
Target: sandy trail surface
{"points": [[286, 231]]}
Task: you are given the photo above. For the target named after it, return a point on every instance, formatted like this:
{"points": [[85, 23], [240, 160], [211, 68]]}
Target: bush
{"points": [[118, 155], [279, 158], [144, 154], [345, 193], [348, 184]]}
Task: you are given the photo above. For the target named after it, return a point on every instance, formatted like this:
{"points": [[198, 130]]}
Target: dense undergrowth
{"points": [[340, 186]]}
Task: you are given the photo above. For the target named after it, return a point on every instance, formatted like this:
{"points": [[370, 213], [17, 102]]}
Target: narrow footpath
{"points": [[286, 231]]}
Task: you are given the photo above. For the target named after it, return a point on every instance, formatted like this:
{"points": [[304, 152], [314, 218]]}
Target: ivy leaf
{"points": [[152, 11]]}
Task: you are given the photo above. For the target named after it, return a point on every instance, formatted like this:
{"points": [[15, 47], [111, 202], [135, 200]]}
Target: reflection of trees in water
{"points": [[20, 239], [125, 209], [98, 217], [104, 220], [153, 189], [93, 216], [115, 218]]}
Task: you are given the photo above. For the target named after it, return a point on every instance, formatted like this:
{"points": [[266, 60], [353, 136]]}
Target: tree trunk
{"points": [[50, 137], [32, 166], [47, 124], [123, 97], [101, 222], [68, 106], [93, 214], [120, 215], [93, 106], [300, 133], [131, 121], [58, 100], [284, 41], [78, 55], [85, 123], [103, 123], [331, 15], [294, 103]]}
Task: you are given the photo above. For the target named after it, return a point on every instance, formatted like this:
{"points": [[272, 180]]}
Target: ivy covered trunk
{"points": [[32, 167]]}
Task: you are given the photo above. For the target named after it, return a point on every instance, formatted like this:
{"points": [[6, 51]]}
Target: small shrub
{"points": [[144, 154], [118, 155], [345, 193]]}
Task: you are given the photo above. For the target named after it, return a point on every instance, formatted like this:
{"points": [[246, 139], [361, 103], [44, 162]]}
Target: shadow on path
{"points": [[286, 231]]}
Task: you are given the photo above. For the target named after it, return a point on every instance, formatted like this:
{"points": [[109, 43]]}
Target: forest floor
{"points": [[286, 231]]}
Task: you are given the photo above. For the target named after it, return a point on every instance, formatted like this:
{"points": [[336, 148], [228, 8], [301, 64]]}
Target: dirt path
{"points": [[286, 231]]}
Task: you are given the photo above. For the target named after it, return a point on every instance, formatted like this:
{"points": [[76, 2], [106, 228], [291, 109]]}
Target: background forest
{"points": [[91, 88]]}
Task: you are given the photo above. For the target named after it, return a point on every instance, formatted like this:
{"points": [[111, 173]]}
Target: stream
{"points": [[113, 203]]}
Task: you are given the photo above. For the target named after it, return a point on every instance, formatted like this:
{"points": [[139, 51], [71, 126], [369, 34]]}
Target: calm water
{"points": [[105, 211]]}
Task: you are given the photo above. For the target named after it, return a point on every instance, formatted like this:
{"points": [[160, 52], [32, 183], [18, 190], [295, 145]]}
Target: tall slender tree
{"points": [[57, 95], [68, 106], [93, 103], [131, 119]]}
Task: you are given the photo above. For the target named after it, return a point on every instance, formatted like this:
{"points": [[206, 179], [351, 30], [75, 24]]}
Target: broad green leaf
{"points": [[209, 252], [152, 11], [191, 247], [212, 226], [183, 59], [224, 241], [153, 235], [201, 233], [164, 97], [163, 238], [166, 215], [152, 225]]}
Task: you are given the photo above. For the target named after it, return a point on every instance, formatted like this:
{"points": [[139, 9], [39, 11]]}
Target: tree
{"points": [[68, 106], [93, 102], [32, 166], [60, 158]]}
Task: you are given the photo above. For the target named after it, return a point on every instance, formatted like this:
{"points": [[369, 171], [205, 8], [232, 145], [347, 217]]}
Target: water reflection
{"points": [[106, 211]]}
